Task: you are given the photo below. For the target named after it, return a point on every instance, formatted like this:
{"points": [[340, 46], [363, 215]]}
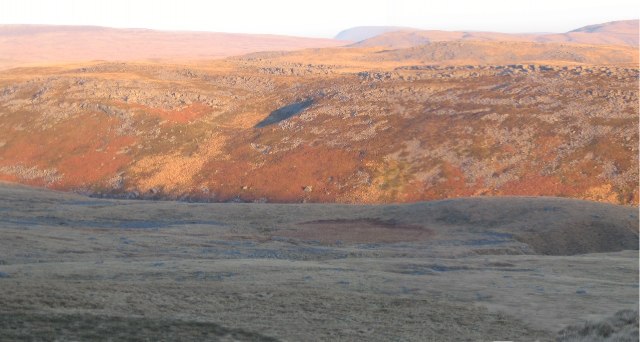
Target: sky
{"points": [[320, 18]]}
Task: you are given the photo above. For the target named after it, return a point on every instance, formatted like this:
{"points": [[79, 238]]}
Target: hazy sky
{"points": [[320, 18]]}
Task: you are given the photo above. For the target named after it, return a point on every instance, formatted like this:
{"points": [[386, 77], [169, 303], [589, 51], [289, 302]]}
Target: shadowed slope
{"points": [[306, 272], [621, 327], [42, 327], [285, 112], [546, 225]]}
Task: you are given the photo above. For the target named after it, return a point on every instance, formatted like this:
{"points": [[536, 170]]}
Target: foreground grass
{"points": [[81, 327]]}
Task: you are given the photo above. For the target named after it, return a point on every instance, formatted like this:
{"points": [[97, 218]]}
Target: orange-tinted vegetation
{"points": [[357, 125]]}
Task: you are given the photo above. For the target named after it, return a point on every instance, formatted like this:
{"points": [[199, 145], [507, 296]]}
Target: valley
{"points": [[391, 184]]}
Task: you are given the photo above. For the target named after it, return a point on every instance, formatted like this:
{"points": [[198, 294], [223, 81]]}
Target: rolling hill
{"points": [[24, 44], [360, 33], [612, 33]]}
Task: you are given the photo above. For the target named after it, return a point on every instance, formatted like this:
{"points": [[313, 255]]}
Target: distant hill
{"points": [[623, 32], [22, 44], [629, 27], [613, 33], [360, 33]]}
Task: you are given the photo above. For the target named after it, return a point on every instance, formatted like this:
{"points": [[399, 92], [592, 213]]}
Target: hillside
{"points": [[360, 33], [414, 186], [448, 53], [38, 44], [613, 33], [622, 27], [332, 125], [469, 269]]}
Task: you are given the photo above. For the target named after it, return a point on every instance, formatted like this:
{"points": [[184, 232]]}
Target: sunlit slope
{"points": [[327, 125]]}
